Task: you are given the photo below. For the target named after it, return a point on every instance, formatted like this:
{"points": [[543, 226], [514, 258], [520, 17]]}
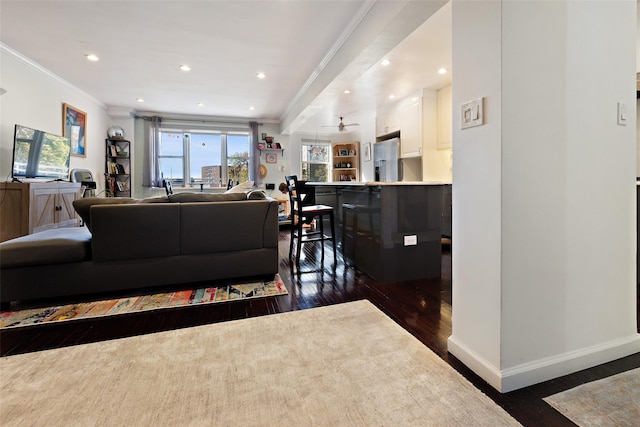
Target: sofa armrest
{"points": [[135, 231], [271, 226]]}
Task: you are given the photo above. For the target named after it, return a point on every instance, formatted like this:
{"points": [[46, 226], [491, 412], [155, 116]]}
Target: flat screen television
{"points": [[38, 154]]}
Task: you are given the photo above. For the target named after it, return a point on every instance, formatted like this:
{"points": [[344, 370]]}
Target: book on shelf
{"points": [[111, 185], [113, 151]]}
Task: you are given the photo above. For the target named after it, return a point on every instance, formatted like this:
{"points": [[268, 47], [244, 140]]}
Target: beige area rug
{"points": [[613, 401], [340, 365]]}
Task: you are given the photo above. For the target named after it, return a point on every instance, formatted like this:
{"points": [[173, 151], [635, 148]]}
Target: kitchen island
{"points": [[389, 230]]}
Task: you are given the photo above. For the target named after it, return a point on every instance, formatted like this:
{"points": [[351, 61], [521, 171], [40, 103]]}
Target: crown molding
{"points": [[4, 49]]}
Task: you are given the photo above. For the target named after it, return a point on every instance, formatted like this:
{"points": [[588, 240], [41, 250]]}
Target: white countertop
{"points": [[374, 183]]}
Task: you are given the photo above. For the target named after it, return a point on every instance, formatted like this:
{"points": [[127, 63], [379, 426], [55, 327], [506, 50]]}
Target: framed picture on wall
{"points": [[271, 158], [74, 126]]}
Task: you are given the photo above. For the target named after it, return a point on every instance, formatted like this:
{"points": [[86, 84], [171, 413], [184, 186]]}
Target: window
{"points": [[315, 161], [203, 157], [238, 157]]}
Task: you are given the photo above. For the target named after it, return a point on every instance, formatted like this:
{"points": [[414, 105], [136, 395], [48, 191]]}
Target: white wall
{"points": [[276, 171], [544, 205], [638, 137], [364, 132], [477, 217], [34, 98], [367, 133]]}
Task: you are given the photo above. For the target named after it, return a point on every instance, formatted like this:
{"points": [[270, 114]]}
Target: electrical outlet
{"points": [[411, 240]]}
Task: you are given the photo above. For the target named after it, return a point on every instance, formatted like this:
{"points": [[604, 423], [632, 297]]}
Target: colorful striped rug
{"points": [[206, 295]]}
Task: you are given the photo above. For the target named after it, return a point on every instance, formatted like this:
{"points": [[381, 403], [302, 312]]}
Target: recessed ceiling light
{"points": [[139, 99], [392, 96], [92, 57], [185, 68], [347, 91], [385, 62], [261, 75], [442, 71], [200, 104], [252, 108]]}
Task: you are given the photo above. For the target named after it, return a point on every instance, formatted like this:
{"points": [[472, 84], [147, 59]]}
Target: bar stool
{"points": [[301, 214]]}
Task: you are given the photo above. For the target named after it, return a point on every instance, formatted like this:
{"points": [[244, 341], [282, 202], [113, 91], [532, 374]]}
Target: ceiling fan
{"points": [[341, 125]]}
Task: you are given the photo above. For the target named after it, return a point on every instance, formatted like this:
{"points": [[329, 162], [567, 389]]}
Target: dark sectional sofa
{"points": [[129, 244]]}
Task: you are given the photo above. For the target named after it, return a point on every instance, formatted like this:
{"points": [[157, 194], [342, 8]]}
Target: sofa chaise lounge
{"points": [[130, 244]]}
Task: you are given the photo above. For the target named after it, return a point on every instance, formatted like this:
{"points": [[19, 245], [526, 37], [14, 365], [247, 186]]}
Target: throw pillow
{"points": [[256, 195], [83, 206], [241, 188]]}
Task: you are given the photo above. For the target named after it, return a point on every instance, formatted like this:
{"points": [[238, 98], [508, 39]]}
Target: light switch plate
{"points": [[622, 114], [472, 113], [411, 240]]}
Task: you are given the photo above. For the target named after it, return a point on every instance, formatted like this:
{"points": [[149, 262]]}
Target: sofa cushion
{"points": [[83, 206], [56, 246], [158, 199], [206, 197]]}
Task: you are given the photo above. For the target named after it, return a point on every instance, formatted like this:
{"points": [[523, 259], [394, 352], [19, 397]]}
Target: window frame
{"points": [[186, 152], [311, 142]]}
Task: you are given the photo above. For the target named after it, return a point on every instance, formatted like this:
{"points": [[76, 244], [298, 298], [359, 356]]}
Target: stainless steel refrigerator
{"points": [[386, 157]]}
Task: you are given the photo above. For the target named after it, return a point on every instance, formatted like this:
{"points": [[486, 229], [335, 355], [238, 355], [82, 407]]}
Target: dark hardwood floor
{"points": [[423, 307]]}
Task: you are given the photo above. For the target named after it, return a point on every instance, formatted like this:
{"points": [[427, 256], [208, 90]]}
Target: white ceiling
{"points": [[310, 51]]}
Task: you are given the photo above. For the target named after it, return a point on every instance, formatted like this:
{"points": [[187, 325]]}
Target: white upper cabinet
{"points": [[387, 122], [445, 115], [410, 120]]}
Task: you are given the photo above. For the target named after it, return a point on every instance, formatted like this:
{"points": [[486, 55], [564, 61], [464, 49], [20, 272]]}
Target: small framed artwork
{"points": [[366, 153], [74, 126], [352, 152], [264, 136], [271, 158], [343, 153]]}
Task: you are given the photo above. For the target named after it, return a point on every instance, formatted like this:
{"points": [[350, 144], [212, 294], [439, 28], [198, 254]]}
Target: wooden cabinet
{"points": [[346, 161], [30, 207], [118, 167]]}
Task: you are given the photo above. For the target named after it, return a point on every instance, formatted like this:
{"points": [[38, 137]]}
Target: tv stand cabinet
{"points": [[30, 207]]}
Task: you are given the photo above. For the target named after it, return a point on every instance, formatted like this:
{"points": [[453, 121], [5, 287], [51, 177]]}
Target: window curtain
{"points": [[254, 158], [150, 168]]}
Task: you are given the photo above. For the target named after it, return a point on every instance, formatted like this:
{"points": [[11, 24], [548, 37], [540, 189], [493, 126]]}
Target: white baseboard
{"points": [[475, 362], [544, 369]]}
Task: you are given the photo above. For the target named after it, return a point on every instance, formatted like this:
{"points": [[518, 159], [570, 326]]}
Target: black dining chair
{"points": [[302, 214]]}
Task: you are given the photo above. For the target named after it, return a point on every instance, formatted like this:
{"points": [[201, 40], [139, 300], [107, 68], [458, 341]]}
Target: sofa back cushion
{"points": [[135, 231], [206, 197], [83, 206], [227, 226]]}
